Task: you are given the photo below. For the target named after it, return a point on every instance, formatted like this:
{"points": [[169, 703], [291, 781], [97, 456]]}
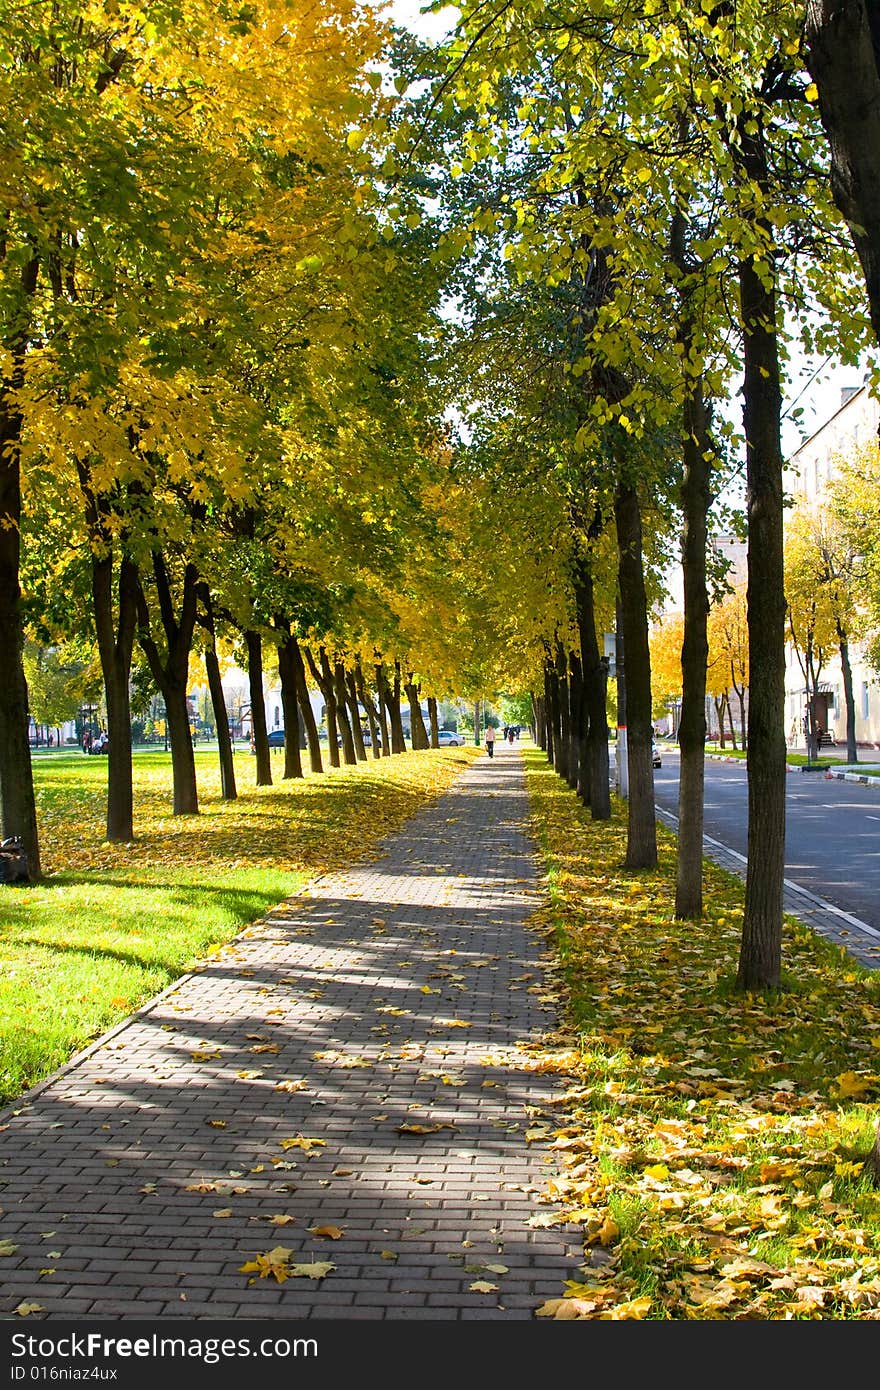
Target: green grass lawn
{"points": [[111, 925]]}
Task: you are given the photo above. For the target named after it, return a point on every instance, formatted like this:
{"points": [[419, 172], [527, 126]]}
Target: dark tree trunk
{"points": [[259, 732], [418, 732], [228, 789], [641, 849], [323, 678], [733, 742], [852, 752], [287, 675], [342, 719], [596, 793], [761, 948], [306, 713], [382, 693], [392, 701], [17, 801], [843, 43], [115, 646], [356, 725], [539, 728], [367, 701], [563, 754], [577, 736], [551, 702], [171, 674], [434, 721], [696, 499]]}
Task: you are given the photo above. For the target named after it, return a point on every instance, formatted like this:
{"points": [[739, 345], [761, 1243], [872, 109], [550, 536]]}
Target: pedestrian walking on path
{"points": [[490, 740], [326, 1120]]}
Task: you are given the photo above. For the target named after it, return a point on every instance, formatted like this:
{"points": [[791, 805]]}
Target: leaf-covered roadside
{"points": [[112, 924], [709, 1144]]}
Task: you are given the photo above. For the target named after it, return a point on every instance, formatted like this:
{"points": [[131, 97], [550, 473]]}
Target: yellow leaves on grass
{"points": [[702, 1129], [852, 1085]]}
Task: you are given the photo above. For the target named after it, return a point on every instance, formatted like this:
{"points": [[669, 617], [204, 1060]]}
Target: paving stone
{"points": [[130, 1150]]}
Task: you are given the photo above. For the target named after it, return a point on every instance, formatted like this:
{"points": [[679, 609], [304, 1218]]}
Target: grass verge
{"points": [[710, 1143], [111, 925]]}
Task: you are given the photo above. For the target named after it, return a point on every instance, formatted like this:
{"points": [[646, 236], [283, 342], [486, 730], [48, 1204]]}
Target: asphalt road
{"points": [[832, 829]]}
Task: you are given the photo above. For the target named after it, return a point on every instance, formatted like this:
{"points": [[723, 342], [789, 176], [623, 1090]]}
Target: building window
{"points": [[277, 717], [864, 699]]}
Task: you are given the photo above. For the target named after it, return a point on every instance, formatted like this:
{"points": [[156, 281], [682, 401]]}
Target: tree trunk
{"points": [[342, 719], [597, 792], [577, 732], [733, 742], [562, 719], [696, 500], [306, 713], [259, 732], [551, 704], [743, 729], [539, 727], [367, 702], [171, 674], [115, 646], [382, 694], [324, 680], [287, 675], [392, 699], [356, 725], [228, 789], [434, 721], [720, 703], [852, 752], [418, 732], [761, 948], [842, 46], [641, 849], [17, 801]]}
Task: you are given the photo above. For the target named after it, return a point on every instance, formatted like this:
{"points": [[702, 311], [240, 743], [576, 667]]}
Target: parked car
{"points": [[276, 738], [448, 738], [655, 754]]}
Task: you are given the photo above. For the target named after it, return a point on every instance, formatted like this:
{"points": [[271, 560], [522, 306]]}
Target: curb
{"points": [[862, 777]]}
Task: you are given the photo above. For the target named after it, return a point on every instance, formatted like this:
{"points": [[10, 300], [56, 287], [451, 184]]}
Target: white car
{"points": [[448, 738]]}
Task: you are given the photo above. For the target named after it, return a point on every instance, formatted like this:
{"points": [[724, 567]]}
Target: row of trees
{"points": [[657, 183], [216, 425], [232, 408]]}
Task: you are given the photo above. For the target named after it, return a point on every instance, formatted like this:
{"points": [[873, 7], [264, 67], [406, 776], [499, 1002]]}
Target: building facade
{"points": [[810, 469]]}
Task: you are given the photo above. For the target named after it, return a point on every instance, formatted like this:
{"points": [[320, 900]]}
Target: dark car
{"points": [[276, 738]]}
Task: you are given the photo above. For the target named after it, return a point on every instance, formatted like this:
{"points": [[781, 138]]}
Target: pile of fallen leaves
{"points": [[710, 1144]]}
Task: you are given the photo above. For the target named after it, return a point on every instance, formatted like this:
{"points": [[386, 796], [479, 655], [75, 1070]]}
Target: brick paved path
{"points": [[402, 992]]}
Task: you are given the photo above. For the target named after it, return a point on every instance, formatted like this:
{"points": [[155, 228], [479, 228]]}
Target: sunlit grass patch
{"points": [[111, 924], [733, 1125]]}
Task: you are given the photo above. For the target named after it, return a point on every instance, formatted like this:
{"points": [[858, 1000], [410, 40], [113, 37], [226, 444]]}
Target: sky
{"points": [[428, 26]]}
